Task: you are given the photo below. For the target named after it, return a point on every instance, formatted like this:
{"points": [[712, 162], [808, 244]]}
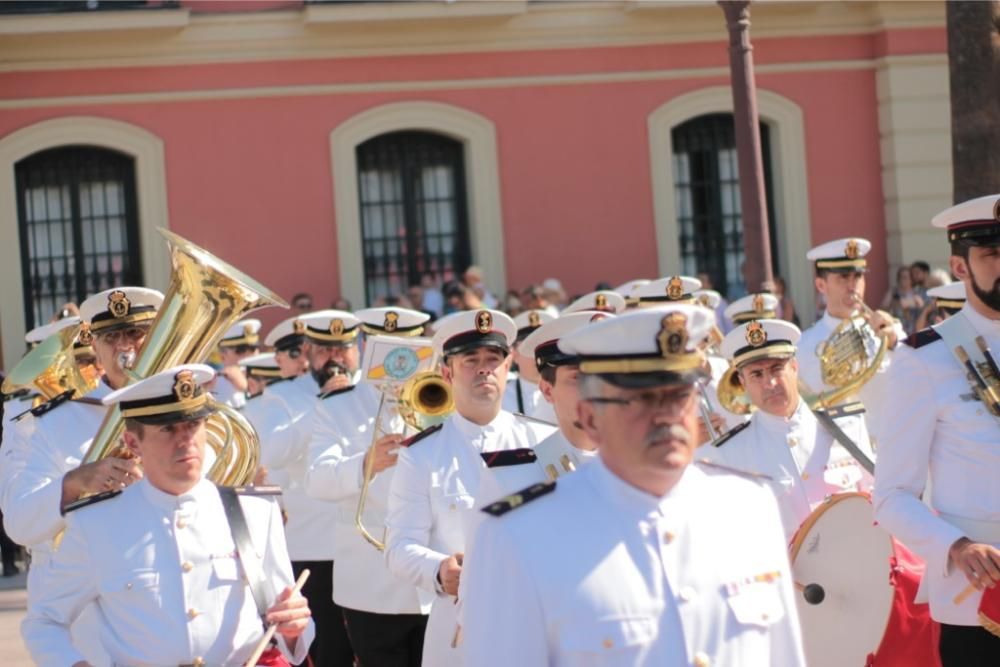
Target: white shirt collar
{"points": [[777, 424], [829, 321], [983, 325], [627, 498], [169, 502], [472, 430]]}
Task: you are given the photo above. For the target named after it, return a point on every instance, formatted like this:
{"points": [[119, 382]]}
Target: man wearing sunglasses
{"points": [[639, 558], [240, 341], [41, 473]]}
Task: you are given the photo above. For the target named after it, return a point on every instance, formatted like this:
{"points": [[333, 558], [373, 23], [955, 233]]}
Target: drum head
{"points": [[840, 549]]}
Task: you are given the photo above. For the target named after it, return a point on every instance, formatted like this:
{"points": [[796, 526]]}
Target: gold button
{"points": [[805, 476], [193, 613], [792, 441], [701, 660], [668, 537], [764, 617], [199, 662], [187, 566], [181, 523], [451, 507], [607, 643]]}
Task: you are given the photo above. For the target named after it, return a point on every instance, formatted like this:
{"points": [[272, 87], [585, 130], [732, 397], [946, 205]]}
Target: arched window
{"points": [[414, 218], [77, 225], [709, 217]]}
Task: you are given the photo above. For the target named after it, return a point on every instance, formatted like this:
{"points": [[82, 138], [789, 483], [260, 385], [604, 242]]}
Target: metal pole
{"points": [[756, 237]]}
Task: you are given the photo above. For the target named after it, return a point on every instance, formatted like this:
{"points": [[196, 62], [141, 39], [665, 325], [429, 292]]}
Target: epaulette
{"points": [[522, 497], [844, 410], [414, 439], [734, 471], [23, 392], [90, 500], [89, 400], [920, 338], [728, 435], [50, 404], [335, 392], [536, 420], [508, 457], [262, 490]]}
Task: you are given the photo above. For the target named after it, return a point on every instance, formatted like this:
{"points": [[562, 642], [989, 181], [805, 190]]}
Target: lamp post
{"points": [[756, 237]]}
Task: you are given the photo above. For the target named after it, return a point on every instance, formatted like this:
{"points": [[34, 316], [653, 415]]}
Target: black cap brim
{"points": [[176, 417], [655, 379]]}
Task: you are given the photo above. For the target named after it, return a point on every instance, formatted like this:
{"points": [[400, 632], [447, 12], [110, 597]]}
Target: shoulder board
{"points": [[749, 474], [844, 410], [88, 400], [508, 457], [20, 393], [920, 338], [728, 435], [90, 500], [263, 490], [336, 392], [52, 404], [412, 440], [533, 420], [522, 497]]}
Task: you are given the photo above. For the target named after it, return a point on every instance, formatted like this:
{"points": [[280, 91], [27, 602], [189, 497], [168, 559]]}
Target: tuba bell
{"points": [[732, 395], [205, 297], [52, 368]]}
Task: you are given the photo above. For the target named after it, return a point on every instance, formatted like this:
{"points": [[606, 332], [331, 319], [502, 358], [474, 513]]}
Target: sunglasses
{"points": [[132, 334]]}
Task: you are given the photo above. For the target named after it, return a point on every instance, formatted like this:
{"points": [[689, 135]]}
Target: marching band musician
{"points": [[329, 341], [668, 290], [41, 473], [946, 300], [627, 291], [174, 581], [522, 395], [605, 301], [630, 561], [269, 415], [386, 618], [437, 476], [782, 441], [945, 431], [840, 277], [241, 340]]}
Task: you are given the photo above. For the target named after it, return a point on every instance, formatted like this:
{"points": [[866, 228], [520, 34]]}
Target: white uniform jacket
{"points": [[435, 483], [939, 431], [531, 396], [872, 394], [272, 418], [597, 572], [801, 459], [311, 522], [166, 580], [342, 433], [226, 392]]}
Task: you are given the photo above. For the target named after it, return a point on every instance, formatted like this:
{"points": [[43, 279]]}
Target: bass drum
{"points": [[855, 588]]}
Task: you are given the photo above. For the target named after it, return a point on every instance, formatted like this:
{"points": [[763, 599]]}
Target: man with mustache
{"points": [[164, 561], [328, 339], [840, 278], [40, 471], [782, 441], [437, 476], [639, 558], [936, 480]]}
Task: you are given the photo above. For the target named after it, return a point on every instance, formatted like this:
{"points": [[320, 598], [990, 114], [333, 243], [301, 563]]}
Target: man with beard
{"points": [[40, 473], [437, 476], [944, 435], [639, 558], [329, 341], [783, 442], [840, 277]]}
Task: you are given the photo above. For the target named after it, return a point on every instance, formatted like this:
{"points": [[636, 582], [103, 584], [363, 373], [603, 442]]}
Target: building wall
{"points": [[245, 106]]}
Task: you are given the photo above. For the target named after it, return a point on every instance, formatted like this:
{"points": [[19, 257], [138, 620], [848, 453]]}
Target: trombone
{"points": [[421, 401]]}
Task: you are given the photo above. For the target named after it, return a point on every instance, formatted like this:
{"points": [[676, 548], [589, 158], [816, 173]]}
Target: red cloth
{"points": [[989, 610], [911, 638], [273, 657]]}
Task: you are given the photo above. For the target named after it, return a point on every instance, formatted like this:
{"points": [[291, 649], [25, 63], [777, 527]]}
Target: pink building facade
{"points": [[255, 132]]}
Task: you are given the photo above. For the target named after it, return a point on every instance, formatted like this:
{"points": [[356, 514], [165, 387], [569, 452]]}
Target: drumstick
{"points": [[266, 639], [961, 597]]}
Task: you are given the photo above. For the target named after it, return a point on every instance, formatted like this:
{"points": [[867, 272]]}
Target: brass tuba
{"points": [[843, 358], [52, 369], [422, 401], [205, 297]]}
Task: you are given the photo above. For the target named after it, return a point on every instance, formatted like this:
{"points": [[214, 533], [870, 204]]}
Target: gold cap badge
{"points": [[184, 385], [337, 326], [86, 336], [534, 320], [601, 301], [852, 251], [118, 304], [672, 339], [996, 210], [391, 321], [484, 321], [247, 329], [758, 303], [675, 288], [755, 334], [298, 327]]}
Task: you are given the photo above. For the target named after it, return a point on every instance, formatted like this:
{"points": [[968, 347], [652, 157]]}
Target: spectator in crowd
{"points": [[473, 279], [302, 302], [459, 297], [936, 278], [903, 301], [535, 297], [919, 272], [554, 293], [341, 304], [512, 304], [433, 299]]}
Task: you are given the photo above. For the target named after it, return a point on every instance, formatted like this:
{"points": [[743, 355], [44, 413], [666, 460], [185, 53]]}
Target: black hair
{"points": [[922, 265], [548, 373]]}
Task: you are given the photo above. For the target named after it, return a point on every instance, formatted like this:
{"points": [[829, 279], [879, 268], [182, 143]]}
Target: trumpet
{"points": [[422, 401]]}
